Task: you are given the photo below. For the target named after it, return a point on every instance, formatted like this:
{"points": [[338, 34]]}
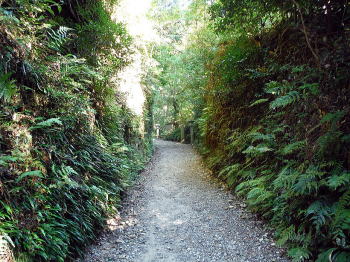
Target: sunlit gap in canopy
{"points": [[133, 13]]}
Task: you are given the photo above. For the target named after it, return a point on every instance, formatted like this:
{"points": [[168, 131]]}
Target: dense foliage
{"points": [[268, 83], [180, 75], [68, 144]]}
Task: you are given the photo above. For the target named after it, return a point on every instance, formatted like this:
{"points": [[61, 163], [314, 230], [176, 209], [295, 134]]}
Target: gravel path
{"points": [[176, 212]]}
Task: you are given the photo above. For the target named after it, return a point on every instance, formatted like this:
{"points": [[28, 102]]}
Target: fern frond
{"points": [[341, 222], [298, 69], [5, 159], [8, 87], [287, 177], [64, 173], [283, 101], [286, 235], [59, 37], [333, 117], [245, 186], [47, 123], [334, 255], [257, 136], [277, 88], [229, 170], [293, 147], [336, 181], [259, 195], [310, 88], [319, 211], [258, 102], [309, 182], [299, 254], [257, 150]]}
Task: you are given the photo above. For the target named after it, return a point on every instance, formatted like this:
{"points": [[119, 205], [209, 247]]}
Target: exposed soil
{"points": [[178, 212]]}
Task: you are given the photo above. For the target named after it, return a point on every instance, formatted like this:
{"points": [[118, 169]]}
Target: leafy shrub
{"points": [[174, 135]]}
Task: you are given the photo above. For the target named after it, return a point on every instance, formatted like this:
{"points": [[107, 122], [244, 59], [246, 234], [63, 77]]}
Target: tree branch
{"points": [[306, 36]]}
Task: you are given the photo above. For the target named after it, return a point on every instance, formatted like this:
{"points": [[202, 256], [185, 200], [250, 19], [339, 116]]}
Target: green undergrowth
{"points": [[68, 144], [173, 135], [276, 127]]}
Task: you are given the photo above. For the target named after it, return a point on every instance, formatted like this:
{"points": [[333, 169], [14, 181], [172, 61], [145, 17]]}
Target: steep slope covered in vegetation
{"points": [[277, 126], [272, 110], [68, 143]]}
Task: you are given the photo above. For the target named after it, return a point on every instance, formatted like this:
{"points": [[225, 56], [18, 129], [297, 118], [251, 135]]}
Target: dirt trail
{"points": [[177, 212]]}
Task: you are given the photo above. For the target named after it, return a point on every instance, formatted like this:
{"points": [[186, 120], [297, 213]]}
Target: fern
{"points": [[336, 181], [333, 117], [64, 173], [297, 238], [257, 136], [24, 257], [320, 212], [35, 173], [299, 254], [334, 255], [73, 66], [298, 69], [258, 102], [287, 177], [58, 38], [276, 88], [7, 17], [283, 101], [341, 221], [293, 147], [244, 187], [47, 123], [8, 88], [328, 144], [287, 94], [286, 235], [231, 173], [229, 170], [260, 196], [310, 88], [308, 182], [4, 160], [257, 150]]}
